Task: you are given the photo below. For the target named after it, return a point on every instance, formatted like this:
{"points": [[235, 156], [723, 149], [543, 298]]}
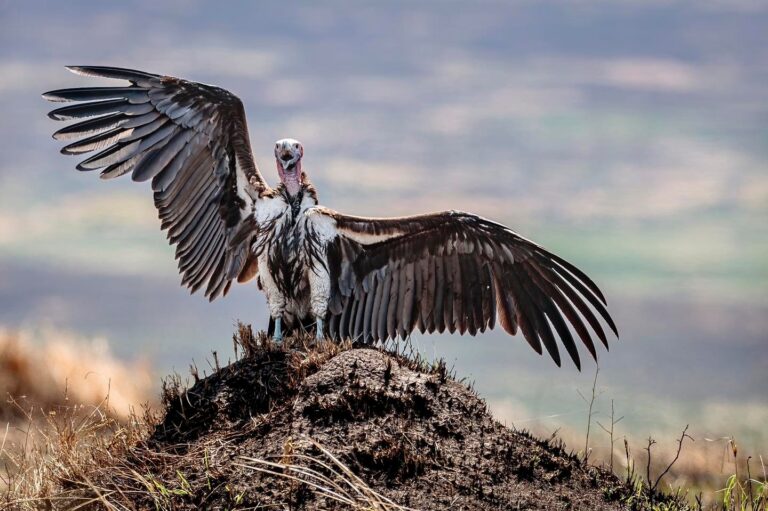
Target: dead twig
{"points": [[590, 413], [610, 432], [683, 436]]}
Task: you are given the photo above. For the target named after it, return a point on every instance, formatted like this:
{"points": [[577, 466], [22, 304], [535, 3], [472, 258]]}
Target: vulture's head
{"points": [[288, 153]]}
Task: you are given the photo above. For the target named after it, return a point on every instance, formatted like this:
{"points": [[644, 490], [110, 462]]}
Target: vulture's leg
{"points": [[319, 295], [321, 235], [275, 299]]}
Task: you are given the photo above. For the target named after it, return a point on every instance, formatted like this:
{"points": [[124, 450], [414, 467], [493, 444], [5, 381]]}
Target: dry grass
{"points": [[712, 473], [325, 474], [68, 429], [67, 406], [75, 456], [48, 369], [55, 465], [68, 454], [704, 467]]}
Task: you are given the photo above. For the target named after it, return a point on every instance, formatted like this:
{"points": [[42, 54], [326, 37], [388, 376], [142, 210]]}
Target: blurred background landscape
{"points": [[628, 137]]}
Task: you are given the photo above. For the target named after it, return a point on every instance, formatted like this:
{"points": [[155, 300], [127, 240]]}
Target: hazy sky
{"points": [[629, 137]]}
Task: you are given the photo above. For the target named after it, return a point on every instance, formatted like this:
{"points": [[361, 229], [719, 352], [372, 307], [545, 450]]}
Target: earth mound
{"points": [[323, 426]]}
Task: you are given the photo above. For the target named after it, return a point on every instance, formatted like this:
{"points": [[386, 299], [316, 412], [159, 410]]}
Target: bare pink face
{"points": [[288, 154]]}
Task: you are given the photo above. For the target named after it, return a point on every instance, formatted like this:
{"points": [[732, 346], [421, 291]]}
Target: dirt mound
{"points": [[330, 427]]}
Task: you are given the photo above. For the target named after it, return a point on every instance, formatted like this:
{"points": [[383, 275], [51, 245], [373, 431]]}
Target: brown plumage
{"points": [[456, 272], [191, 140], [368, 279]]}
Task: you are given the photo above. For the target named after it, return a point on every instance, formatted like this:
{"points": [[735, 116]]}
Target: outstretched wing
{"points": [[191, 140], [458, 272]]}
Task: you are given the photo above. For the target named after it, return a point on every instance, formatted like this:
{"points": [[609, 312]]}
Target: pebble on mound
{"points": [[358, 425]]}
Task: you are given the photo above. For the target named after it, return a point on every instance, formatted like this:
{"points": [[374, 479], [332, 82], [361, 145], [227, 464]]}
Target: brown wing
{"points": [[456, 271], [191, 140]]}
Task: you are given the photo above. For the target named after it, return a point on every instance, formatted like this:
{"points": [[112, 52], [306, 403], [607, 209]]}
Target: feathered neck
{"points": [[306, 189]]}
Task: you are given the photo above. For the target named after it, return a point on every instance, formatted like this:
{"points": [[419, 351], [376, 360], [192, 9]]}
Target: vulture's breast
{"points": [[286, 257]]}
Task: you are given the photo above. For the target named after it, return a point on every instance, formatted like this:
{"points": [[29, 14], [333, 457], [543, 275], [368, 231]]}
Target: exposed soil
{"points": [[412, 433]]}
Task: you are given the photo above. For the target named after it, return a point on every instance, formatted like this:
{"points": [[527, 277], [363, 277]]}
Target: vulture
{"points": [[346, 277]]}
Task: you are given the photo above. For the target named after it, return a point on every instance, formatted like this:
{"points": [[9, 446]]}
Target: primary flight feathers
{"points": [[190, 139]]}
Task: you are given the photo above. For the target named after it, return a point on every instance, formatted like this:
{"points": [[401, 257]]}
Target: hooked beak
{"points": [[288, 160]]}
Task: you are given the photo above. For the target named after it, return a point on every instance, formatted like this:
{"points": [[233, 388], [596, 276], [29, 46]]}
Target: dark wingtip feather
{"points": [[118, 73], [132, 93], [80, 167], [90, 109], [52, 96], [576, 272], [90, 127], [54, 115], [58, 95], [79, 70]]}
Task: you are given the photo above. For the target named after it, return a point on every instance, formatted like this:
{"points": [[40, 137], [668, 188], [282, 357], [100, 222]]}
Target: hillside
{"points": [[302, 426]]}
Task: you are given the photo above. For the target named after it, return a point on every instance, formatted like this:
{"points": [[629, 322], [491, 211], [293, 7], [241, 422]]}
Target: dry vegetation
{"points": [[287, 425], [714, 472], [49, 369]]}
